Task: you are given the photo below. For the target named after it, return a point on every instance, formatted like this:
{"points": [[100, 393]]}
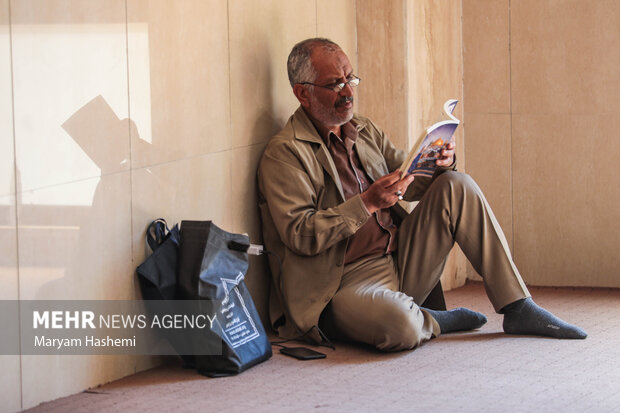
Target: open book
{"points": [[424, 153]]}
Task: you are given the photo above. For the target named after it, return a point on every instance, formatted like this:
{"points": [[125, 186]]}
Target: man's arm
{"points": [[386, 191], [395, 157], [289, 190]]}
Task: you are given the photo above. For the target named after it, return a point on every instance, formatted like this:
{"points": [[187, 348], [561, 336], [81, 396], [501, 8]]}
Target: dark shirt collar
{"points": [[348, 138]]}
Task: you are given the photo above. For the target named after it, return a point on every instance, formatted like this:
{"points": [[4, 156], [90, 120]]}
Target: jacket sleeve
{"points": [[289, 186]]}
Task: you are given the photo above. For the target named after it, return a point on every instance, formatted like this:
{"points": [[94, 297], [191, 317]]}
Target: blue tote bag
{"points": [[212, 266]]}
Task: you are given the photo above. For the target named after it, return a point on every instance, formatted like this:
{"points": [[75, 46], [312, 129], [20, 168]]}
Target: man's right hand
{"points": [[383, 192]]}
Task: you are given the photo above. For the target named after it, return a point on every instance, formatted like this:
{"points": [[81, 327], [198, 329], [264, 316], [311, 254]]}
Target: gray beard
{"points": [[327, 116]]}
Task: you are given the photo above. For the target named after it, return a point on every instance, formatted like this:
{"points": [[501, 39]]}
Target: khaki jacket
{"points": [[307, 221]]}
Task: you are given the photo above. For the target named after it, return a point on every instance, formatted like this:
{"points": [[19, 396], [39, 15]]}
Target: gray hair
{"points": [[299, 64]]}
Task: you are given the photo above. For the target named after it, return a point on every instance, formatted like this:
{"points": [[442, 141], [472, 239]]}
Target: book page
{"points": [[421, 160], [424, 163]]}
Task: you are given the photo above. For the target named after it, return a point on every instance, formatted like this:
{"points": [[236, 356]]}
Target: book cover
{"points": [[424, 153]]}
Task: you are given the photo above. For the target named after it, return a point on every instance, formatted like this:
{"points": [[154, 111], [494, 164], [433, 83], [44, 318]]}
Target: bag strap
{"points": [[156, 233]]}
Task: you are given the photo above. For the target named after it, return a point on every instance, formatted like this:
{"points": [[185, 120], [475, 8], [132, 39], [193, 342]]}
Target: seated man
{"points": [[328, 184]]}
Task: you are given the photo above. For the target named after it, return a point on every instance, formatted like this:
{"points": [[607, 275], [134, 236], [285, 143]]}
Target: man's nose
{"points": [[347, 90]]}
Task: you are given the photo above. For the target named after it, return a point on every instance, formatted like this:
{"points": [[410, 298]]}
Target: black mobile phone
{"points": [[302, 353]]}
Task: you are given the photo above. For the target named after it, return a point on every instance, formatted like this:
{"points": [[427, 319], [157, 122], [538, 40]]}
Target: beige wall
{"points": [[435, 70], [128, 110], [125, 111], [120, 111], [116, 112], [541, 83], [410, 61], [10, 373]]}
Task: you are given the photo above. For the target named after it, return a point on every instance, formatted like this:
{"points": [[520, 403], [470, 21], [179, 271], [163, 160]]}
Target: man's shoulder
{"points": [[286, 138], [298, 131], [292, 144]]}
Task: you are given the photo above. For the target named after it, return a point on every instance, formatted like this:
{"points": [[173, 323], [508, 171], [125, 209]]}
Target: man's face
{"points": [[329, 107]]}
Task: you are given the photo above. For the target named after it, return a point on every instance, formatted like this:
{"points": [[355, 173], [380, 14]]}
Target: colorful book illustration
{"points": [[421, 159]]}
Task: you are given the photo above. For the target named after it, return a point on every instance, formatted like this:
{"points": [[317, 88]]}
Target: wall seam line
{"points": [[357, 55], [230, 120], [21, 374], [407, 80], [464, 143], [512, 189], [131, 226]]}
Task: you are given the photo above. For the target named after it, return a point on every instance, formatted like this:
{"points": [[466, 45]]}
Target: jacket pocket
{"points": [[376, 169]]}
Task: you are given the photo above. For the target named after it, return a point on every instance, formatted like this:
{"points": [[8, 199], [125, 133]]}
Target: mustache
{"points": [[343, 100]]}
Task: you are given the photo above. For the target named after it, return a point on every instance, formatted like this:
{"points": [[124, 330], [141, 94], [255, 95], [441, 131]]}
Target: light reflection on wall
{"points": [[138, 43], [71, 108], [6, 120], [72, 151]]}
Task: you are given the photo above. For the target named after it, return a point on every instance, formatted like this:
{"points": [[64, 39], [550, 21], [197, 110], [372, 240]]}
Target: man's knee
{"points": [[391, 321], [458, 183], [456, 179], [404, 328]]}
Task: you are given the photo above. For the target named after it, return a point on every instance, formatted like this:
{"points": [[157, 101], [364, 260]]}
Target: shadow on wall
{"points": [[98, 130], [70, 236], [83, 249], [69, 256]]}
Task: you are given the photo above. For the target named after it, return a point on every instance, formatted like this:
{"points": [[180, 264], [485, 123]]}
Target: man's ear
{"points": [[302, 95]]}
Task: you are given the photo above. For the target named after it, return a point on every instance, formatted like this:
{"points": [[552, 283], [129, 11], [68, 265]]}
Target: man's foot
{"points": [[527, 318], [459, 319]]}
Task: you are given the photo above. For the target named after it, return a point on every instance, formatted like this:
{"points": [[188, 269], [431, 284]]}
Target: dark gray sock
{"points": [[459, 319], [527, 318]]}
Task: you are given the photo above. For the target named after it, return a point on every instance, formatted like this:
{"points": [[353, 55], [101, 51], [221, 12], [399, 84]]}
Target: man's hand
{"points": [[446, 157], [383, 193]]}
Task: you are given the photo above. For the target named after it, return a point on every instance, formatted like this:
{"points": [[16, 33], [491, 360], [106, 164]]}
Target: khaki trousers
{"points": [[376, 301]]}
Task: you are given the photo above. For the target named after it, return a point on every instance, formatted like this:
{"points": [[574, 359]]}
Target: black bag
{"points": [[212, 265], [212, 272], [157, 275]]}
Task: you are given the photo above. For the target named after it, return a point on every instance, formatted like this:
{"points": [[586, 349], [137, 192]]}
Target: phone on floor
{"points": [[302, 353]]}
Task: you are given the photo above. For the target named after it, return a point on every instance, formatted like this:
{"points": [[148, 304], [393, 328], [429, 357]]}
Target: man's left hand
{"points": [[446, 157]]}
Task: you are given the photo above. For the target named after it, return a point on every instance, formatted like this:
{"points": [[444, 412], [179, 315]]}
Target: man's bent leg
{"points": [[369, 308], [454, 209]]}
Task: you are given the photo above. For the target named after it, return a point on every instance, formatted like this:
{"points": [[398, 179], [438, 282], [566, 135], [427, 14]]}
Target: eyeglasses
{"points": [[337, 87]]}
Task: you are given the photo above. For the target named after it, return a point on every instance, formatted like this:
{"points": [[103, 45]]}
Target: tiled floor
{"points": [[481, 371]]}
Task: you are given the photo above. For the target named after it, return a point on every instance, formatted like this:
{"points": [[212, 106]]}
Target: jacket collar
{"points": [[303, 127], [304, 130]]}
